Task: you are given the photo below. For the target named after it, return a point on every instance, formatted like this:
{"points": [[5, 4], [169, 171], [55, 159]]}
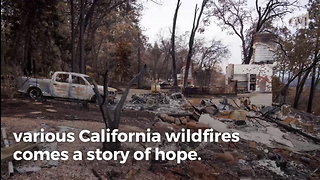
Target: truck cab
{"points": [[66, 85]]}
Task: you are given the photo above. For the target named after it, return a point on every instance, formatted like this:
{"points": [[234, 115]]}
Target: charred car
{"points": [[65, 85]]}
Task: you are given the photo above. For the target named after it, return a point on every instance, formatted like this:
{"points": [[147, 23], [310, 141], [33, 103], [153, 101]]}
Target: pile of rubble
{"points": [[286, 142], [174, 103], [275, 142]]}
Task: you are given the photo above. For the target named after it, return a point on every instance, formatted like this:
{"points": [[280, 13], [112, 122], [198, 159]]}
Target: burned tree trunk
{"points": [[81, 38], [284, 90], [139, 60], [312, 88], [196, 21], [316, 59], [299, 89], [110, 117], [173, 50], [73, 51]]}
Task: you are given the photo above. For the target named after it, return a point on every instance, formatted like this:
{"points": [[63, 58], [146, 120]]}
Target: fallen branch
{"points": [[235, 103], [289, 128], [194, 107], [179, 114]]}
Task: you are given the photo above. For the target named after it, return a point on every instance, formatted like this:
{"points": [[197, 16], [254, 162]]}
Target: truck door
{"points": [[60, 85], [79, 88]]}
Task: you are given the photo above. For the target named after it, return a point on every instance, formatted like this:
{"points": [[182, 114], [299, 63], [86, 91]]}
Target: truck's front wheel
{"points": [[35, 93]]}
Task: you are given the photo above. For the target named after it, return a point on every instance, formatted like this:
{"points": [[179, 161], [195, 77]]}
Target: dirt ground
{"points": [[219, 160], [62, 110]]}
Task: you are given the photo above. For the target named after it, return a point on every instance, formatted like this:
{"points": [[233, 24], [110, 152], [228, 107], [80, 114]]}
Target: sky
{"points": [[157, 19]]}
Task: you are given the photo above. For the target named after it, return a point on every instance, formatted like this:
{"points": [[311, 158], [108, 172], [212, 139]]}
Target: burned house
{"points": [[255, 77], [250, 77]]}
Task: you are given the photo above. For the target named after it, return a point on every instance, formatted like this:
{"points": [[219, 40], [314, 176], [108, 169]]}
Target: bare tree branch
{"points": [[120, 104]]}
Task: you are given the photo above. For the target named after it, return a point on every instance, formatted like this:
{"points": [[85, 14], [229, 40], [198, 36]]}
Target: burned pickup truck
{"points": [[65, 85]]}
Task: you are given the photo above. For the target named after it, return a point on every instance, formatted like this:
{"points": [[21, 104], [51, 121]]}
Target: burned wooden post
{"points": [[6, 143], [110, 117]]}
